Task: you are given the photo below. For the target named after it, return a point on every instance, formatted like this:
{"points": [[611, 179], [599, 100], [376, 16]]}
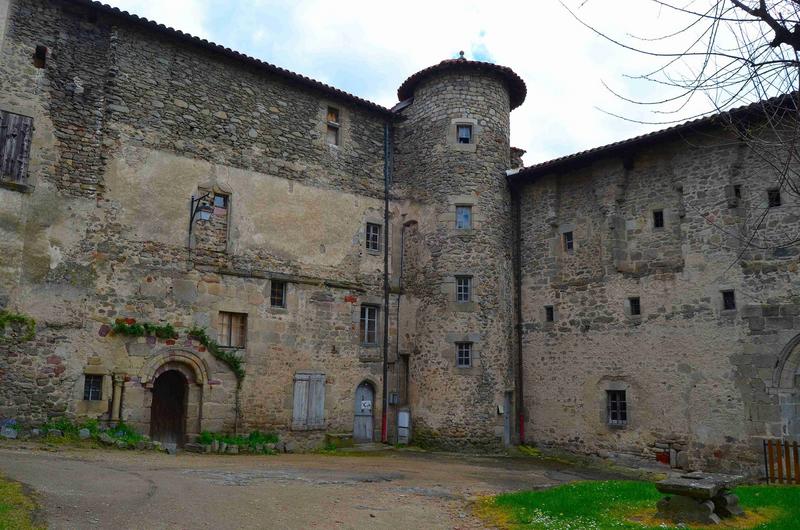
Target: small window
{"points": [[549, 313], [277, 293], [464, 134], [617, 407], [221, 201], [737, 192], [92, 387], [373, 237], [728, 300], [463, 288], [232, 329], [658, 219], [568, 241], [333, 126], [40, 56], [464, 217], [463, 354], [774, 198], [369, 324], [636, 306]]}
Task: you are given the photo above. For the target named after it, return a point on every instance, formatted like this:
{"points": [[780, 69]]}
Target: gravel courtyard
{"points": [[393, 489]]}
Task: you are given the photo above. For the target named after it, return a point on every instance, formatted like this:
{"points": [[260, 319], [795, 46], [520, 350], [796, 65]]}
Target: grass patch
{"points": [[16, 508], [627, 504]]}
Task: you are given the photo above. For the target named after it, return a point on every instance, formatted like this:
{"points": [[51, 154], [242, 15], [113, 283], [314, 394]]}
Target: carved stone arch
{"points": [[788, 366], [188, 363]]}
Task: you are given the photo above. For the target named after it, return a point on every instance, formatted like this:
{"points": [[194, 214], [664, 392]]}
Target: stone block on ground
{"points": [[193, 448], [141, 445], [171, 448], [289, 447], [680, 509], [727, 505], [55, 433], [36, 433], [106, 439], [121, 444], [280, 447], [233, 450], [8, 433], [83, 434]]}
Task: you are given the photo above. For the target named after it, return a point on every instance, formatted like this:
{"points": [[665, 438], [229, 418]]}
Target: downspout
{"points": [[384, 425], [517, 258]]}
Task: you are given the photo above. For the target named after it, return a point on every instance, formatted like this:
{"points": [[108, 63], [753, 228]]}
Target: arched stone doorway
{"points": [[786, 380], [168, 410], [363, 423]]}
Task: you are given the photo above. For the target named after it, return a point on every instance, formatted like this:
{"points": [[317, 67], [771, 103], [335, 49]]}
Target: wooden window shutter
{"points": [[300, 411], [309, 401], [15, 145]]}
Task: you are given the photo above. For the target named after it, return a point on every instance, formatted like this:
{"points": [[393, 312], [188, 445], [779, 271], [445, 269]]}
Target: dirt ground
{"points": [[390, 489]]}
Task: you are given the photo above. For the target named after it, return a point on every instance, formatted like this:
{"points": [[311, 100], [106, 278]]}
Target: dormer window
{"points": [[333, 126], [464, 134]]}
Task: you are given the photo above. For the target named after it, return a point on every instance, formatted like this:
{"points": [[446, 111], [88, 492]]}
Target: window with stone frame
{"points": [[616, 407], [568, 241], [373, 237], [658, 219], [635, 305], [774, 197], [549, 313], [277, 293], [232, 329], [464, 134], [369, 325], [463, 288], [15, 146], [333, 126], [92, 387], [463, 354], [463, 217], [728, 300]]}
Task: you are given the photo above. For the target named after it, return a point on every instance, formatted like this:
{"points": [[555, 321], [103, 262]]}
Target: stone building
{"points": [[210, 242]]}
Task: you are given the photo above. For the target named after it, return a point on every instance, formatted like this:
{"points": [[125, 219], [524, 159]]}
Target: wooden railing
{"points": [[782, 461]]}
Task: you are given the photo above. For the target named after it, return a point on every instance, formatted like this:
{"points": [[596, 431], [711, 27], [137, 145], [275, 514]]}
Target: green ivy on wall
{"points": [[228, 357], [131, 328], [7, 317]]}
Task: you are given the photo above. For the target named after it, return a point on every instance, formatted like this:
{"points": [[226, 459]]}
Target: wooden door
{"points": [[362, 424], [168, 411]]}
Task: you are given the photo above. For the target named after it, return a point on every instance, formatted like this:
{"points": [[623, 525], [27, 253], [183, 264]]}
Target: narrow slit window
{"points": [[616, 407], [369, 324], [333, 126], [464, 133], [40, 56], [774, 198], [92, 387], [658, 219], [568, 241], [636, 305], [728, 300], [463, 288], [232, 329], [277, 293], [463, 354], [373, 237], [463, 217], [549, 313]]}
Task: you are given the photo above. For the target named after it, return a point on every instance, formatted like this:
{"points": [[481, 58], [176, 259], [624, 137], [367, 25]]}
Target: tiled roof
{"points": [[516, 86], [271, 68], [624, 147]]}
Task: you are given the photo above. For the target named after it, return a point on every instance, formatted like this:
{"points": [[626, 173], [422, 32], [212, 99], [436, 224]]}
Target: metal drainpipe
{"points": [[384, 425], [397, 324], [517, 220]]}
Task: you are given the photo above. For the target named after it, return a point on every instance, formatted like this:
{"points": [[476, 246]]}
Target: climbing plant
{"points": [[131, 328], [229, 358], [7, 317]]}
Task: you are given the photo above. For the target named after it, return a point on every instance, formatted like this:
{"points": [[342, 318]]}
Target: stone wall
{"points": [[456, 407], [128, 125], [699, 378]]}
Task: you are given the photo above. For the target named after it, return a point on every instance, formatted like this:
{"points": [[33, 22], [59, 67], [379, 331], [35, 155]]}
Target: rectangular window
{"points": [[464, 217], [549, 313], [464, 134], [636, 306], [369, 324], [15, 146], [463, 354], [737, 192], [658, 219], [232, 329], [373, 237], [308, 410], [569, 242], [774, 198], [333, 126], [221, 201], [617, 407], [92, 387], [277, 293], [463, 288], [728, 300]]}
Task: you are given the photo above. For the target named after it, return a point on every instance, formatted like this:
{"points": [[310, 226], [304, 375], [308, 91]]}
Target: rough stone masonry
{"points": [[586, 303]]}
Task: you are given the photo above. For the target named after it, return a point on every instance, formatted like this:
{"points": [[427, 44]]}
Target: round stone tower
{"points": [[451, 153]]}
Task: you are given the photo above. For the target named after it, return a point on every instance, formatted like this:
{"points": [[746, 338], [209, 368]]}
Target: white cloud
{"points": [[369, 47]]}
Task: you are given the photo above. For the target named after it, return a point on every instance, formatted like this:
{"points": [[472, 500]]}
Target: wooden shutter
{"points": [[309, 401], [15, 144]]}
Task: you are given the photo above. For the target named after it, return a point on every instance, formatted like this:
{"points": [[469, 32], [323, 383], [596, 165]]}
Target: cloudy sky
{"points": [[368, 47]]}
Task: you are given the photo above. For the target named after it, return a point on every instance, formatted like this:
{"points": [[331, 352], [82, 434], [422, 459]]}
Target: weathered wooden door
{"points": [[362, 424], [168, 411]]}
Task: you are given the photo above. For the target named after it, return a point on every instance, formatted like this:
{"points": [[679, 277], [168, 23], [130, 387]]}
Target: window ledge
{"points": [[616, 426], [16, 186], [378, 252]]}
